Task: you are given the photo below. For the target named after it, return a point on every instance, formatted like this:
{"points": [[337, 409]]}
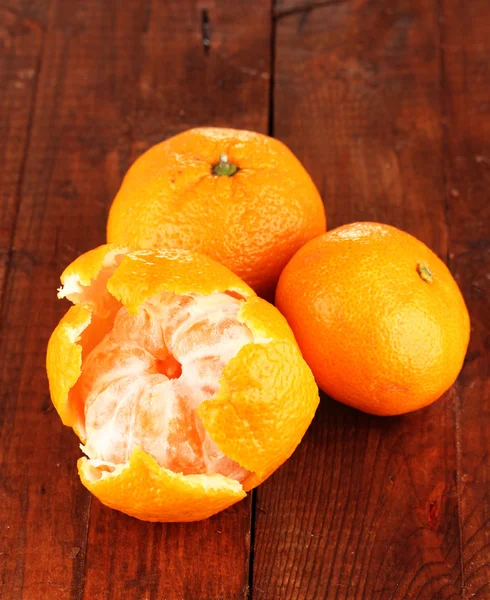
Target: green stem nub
{"points": [[224, 167], [425, 273]]}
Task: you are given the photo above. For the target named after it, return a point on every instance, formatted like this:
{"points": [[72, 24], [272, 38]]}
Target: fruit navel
{"points": [[425, 273], [224, 167]]}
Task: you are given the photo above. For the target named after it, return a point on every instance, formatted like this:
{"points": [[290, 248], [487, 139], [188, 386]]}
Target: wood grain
{"points": [[114, 78], [43, 509], [367, 507], [466, 84], [284, 8], [21, 43]]}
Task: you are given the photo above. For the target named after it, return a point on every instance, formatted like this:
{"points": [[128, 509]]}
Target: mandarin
{"points": [[240, 197], [378, 317], [185, 388]]}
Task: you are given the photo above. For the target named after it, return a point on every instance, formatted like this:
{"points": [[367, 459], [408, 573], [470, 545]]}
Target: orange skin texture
{"points": [[267, 396], [252, 222], [149, 492], [376, 335]]}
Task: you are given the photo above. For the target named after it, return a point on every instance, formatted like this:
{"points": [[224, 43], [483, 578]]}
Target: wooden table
{"points": [[387, 103]]}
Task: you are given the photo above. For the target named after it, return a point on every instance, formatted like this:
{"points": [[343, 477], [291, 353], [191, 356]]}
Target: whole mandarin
{"points": [[378, 317], [241, 197]]}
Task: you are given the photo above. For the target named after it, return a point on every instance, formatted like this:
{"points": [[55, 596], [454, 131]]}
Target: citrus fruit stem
{"points": [[425, 273], [224, 167]]}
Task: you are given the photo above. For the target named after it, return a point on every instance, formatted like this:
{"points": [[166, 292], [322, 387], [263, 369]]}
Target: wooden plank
{"points": [[43, 506], [21, 40], [367, 507], [225, 85], [465, 87], [115, 78]]}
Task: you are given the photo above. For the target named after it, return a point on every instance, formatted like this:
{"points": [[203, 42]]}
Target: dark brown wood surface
{"points": [[387, 103], [465, 86]]}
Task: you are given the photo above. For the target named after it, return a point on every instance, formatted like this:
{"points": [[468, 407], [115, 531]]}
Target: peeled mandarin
{"points": [[185, 388]]}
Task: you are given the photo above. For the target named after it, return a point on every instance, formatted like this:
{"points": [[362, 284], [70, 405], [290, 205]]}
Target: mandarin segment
{"points": [[132, 395]]}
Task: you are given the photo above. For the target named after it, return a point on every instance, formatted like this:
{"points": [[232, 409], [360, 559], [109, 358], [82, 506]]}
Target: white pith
{"points": [[117, 399]]}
